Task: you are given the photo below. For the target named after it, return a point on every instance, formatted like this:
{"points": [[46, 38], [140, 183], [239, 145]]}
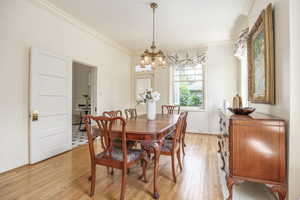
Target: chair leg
{"points": [[110, 172], [148, 154], [123, 186], [173, 167], [183, 139], [179, 159], [93, 180], [183, 148], [145, 163], [79, 128]]}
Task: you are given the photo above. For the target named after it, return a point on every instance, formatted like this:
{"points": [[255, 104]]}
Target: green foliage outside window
{"points": [[190, 97]]}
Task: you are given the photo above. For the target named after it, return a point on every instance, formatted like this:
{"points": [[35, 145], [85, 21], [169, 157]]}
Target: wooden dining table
{"points": [[151, 133]]}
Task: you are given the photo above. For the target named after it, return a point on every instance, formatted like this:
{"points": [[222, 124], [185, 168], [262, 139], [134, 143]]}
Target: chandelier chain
{"points": [[153, 42]]}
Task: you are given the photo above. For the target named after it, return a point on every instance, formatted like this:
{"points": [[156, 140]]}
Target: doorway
{"points": [[84, 99]]}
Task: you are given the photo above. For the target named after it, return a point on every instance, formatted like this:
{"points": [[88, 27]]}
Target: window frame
{"points": [[204, 82]]}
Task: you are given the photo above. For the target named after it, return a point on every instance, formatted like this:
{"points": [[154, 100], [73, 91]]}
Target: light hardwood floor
{"points": [[65, 177]]}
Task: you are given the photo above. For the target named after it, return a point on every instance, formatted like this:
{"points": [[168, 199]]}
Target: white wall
{"points": [[222, 82], [25, 24], [282, 60], [294, 141], [221, 76]]}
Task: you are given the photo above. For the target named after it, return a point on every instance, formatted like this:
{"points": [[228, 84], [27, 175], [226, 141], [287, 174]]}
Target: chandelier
{"points": [[154, 56]]}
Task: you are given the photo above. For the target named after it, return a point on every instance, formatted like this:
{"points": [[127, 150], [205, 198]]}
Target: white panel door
{"points": [[50, 105]]}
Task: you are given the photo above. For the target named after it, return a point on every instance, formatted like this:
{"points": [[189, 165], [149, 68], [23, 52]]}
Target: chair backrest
{"points": [[130, 113], [105, 125], [184, 123], [113, 113], [170, 109], [179, 127]]}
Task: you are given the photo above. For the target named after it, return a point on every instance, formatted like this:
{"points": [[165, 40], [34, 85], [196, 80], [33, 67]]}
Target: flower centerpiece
{"points": [[150, 98]]}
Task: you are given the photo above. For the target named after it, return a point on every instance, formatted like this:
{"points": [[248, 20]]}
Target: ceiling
{"points": [[180, 23]]}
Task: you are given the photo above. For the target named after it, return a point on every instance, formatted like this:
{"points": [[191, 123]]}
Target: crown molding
{"points": [[79, 24]]}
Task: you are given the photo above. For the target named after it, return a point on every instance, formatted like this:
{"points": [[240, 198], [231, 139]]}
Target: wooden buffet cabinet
{"points": [[253, 148]]}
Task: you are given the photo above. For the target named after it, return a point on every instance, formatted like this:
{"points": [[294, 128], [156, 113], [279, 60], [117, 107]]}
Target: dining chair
{"points": [[117, 113], [119, 158], [117, 141], [113, 113], [130, 113], [183, 133], [170, 109], [172, 147]]}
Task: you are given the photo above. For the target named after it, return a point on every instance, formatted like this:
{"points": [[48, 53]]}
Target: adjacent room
{"points": [[84, 85], [150, 99]]}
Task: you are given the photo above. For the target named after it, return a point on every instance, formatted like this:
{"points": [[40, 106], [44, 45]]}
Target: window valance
{"points": [[187, 58], [240, 46]]}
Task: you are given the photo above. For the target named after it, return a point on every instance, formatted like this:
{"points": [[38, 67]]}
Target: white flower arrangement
{"points": [[148, 96]]}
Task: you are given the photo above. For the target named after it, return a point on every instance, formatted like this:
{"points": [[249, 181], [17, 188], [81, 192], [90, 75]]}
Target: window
{"points": [[147, 68], [188, 86]]}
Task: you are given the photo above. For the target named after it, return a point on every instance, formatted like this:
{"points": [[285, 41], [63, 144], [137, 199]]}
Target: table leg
{"points": [[156, 151]]}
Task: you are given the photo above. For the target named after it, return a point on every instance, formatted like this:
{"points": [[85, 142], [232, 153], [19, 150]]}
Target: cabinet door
{"points": [[258, 150]]}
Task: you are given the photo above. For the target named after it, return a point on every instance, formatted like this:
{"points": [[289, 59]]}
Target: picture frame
{"points": [[261, 61]]}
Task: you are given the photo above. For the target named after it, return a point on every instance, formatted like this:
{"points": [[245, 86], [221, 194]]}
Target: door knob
{"points": [[35, 115]]}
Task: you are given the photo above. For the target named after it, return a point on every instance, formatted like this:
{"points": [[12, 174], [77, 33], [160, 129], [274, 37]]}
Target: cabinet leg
{"points": [[278, 189], [229, 182], [219, 145], [223, 162]]}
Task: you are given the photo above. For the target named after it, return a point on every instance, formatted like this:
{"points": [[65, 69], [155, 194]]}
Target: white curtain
{"points": [[187, 58], [240, 51], [240, 46]]}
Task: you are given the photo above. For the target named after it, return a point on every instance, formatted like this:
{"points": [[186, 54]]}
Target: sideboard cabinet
{"points": [[253, 148]]}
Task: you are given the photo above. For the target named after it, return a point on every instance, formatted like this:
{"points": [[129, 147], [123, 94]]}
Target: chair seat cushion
{"points": [[117, 154], [167, 146]]}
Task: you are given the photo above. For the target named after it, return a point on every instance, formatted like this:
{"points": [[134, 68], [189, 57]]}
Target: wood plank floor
{"points": [[66, 177]]}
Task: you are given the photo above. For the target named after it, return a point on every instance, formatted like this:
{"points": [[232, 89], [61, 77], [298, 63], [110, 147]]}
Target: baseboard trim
{"points": [[202, 132], [14, 169]]}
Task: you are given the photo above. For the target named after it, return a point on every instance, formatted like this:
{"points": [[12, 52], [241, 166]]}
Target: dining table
{"points": [[151, 134]]}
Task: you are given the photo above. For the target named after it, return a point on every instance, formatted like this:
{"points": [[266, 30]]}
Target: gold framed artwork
{"points": [[261, 67]]}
